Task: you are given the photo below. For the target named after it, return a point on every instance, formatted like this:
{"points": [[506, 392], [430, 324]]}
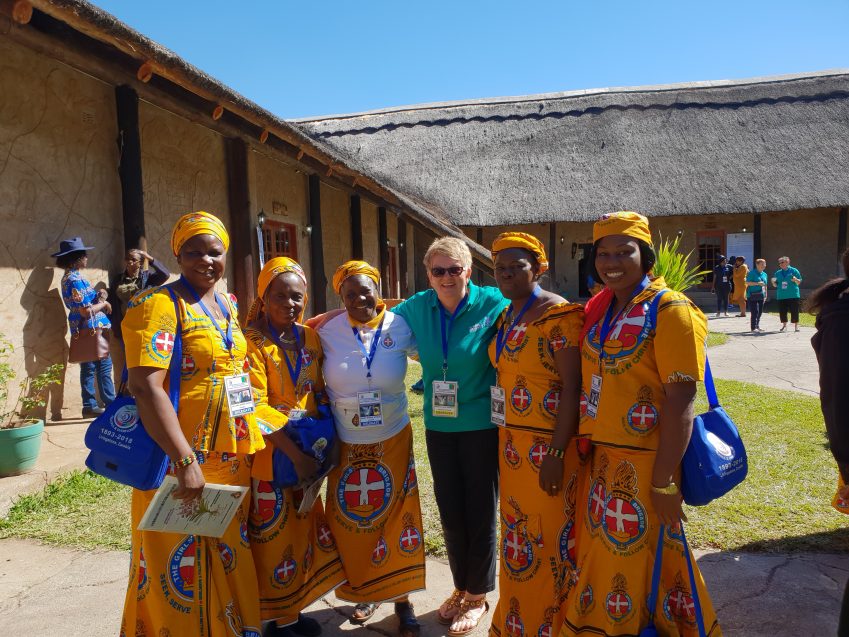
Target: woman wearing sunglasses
{"points": [[453, 323]]}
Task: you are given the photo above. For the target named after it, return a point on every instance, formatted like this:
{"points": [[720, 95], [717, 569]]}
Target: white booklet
{"points": [[209, 515], [306, 494]]}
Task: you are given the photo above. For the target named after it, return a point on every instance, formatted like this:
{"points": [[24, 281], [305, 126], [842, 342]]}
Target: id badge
{"points": [[725, 279], [240, 396], [297, 414], [594, 397], [370, 409], [445, 398], [496, 405], [784, 285]]}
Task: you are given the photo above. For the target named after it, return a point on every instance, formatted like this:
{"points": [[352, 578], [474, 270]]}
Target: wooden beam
{"points": [[402, 256], [130, 165], [383, 251], [756, 239], [479, 241], [145, 72], [841, 236], [241, 220], [19, 11], [552, 256], [356, 228], [318, 279]]}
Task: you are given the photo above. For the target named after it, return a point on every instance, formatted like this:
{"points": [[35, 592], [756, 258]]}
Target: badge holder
{"points": [[240, 396], [497, 403], [370, 409]]}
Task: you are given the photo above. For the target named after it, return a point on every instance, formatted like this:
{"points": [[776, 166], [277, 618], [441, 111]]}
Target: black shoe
{"points": [[305, 626], [92, 412], [408, 625], [273, 630]]}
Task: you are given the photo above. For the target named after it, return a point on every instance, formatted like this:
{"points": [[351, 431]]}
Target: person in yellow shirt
{"points": [[536, 403], [738, 297], [642, 356], [296, 557], [185, 584]]}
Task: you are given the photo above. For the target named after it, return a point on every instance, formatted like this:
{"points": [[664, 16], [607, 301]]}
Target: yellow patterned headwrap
{"points": [[270, 271], [195, 223], [529, 242], [631, 224], [353, 268]]}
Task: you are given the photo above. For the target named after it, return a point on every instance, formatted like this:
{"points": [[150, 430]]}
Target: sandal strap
{"points": [[472, 604], [455, 600]]}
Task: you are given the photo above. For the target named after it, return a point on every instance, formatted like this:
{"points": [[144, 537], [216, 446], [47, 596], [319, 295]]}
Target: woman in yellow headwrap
{"points": [[296, 557], [185, 584], [642, 354], [536, 402], [373, 497]]}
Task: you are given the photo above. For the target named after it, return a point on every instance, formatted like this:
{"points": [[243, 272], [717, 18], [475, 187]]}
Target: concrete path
{"points": [[783, 360], [48, 591]]}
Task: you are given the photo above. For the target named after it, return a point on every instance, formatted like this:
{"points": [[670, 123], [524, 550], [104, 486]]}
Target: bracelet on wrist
{"points": [[183, 462], [669, 489], [557, 453]]}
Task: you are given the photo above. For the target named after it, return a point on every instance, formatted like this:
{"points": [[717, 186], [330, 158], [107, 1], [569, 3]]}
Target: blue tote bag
{"points": [[715, 460], [314, 436], [119, 446]]}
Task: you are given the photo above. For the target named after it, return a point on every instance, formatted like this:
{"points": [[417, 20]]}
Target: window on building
{"points": [[279, 240], [711, 243]]}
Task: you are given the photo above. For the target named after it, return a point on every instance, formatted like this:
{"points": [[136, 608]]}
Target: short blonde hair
{"points": [[451, 247], [760, 261]]}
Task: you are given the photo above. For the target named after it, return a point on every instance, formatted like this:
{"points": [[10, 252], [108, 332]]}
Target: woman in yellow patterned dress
{"points": [[535, 354], [185, 584], [642, 355], [296, 557]]}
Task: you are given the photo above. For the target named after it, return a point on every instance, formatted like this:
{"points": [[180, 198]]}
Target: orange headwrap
{"points": [[270, 271], [195, 223], [631, 224], [522, 240], [353, 268]]}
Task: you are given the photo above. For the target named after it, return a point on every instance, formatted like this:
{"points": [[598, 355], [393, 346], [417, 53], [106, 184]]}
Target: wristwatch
{"points": [[669, 489]]}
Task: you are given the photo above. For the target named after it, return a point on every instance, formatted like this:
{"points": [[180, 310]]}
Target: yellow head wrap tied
{"points": [[353, 268], [631, 224], [195, 223], [270, 271], [507, 240]]}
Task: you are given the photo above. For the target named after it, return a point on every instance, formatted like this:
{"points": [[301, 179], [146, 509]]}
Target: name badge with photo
{"points": [[370, 410], [445, 398], [784, 285], [594, 397], [725, 279], [497, 401], [240, 396], [297, 414]]}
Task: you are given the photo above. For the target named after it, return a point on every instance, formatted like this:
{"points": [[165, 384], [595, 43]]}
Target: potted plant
{"points": [[20, 434], [674, 266]]}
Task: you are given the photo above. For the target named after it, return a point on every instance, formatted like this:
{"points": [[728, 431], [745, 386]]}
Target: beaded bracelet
{"points": [[184, 462], [557, 453]]}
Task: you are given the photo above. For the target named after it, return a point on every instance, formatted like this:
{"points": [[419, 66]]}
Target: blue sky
{"points": [[306, 58]]}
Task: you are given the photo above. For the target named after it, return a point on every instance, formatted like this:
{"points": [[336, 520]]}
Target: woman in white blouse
{"points": [[373, 500]]}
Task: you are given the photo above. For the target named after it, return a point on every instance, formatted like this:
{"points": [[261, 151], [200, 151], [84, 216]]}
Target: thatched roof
{"points": [[767, 144]]}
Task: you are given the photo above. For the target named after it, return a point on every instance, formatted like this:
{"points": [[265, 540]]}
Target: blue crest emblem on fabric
{"points": [[181, 569]]}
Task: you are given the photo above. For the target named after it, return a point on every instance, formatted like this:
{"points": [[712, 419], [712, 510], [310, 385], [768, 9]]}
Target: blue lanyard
{"points": [[502, 336], [294, 373], [373, 350], [228, 335], [446, 333], [607, 324]]}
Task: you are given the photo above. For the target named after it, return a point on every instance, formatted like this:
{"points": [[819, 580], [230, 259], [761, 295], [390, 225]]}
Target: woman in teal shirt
{"points": [[756, 294], [453, 323], [787, 279]]}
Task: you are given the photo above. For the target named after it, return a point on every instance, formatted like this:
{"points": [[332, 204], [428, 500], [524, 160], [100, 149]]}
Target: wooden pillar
{"points": [[552, 256], [318, 279], [402, 256], [841, 237], [356, 228], [756, 240], [241, 220], [479, 271], [130, 166], [383, 251]]}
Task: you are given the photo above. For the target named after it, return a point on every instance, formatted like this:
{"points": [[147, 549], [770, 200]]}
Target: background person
{"points": [[738, 295], [373, 510], [177, 582], [787, 279], [296, 558], [721, 285], [756, 292], [87, 310], [462, 449], [538, 368]]}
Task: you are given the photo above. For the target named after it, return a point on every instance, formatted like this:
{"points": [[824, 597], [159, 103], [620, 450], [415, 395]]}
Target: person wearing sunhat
{"points": [[642, 355], [87, 310], [296, 557], [373, 508], [536, 401]]}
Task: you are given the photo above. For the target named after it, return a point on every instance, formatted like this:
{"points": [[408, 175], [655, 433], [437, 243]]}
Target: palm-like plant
{"points": [[674, 266]]}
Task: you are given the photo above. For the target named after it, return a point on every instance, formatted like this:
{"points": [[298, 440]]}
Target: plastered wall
{"points": [[336, 235]]}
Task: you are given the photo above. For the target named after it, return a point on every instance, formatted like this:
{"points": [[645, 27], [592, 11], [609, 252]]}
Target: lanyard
{"points": [[294, 373], [607, 324], [373, 350], [228, 335], [446, 333], [502, 335]]}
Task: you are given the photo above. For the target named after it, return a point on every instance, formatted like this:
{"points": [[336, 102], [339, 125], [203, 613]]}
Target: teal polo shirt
{"points": [[468, 357], [787, 289]]}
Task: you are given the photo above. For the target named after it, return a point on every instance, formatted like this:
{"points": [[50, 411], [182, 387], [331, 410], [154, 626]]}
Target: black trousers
{"points": [[788, 305], [756, 308], [722, 292], [465, 481]]}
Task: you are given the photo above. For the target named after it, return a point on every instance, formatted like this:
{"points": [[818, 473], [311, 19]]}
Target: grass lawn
{"points": [[716, 338], [805, 319], [784, 505]]}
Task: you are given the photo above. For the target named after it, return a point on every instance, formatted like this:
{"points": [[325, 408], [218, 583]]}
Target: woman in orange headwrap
{"points": [[296, 557], [536, 402], [642, 354], [186, 584]]}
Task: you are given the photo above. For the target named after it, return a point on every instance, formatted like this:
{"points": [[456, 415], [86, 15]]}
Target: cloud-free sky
{"points": [[315, 57]]}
